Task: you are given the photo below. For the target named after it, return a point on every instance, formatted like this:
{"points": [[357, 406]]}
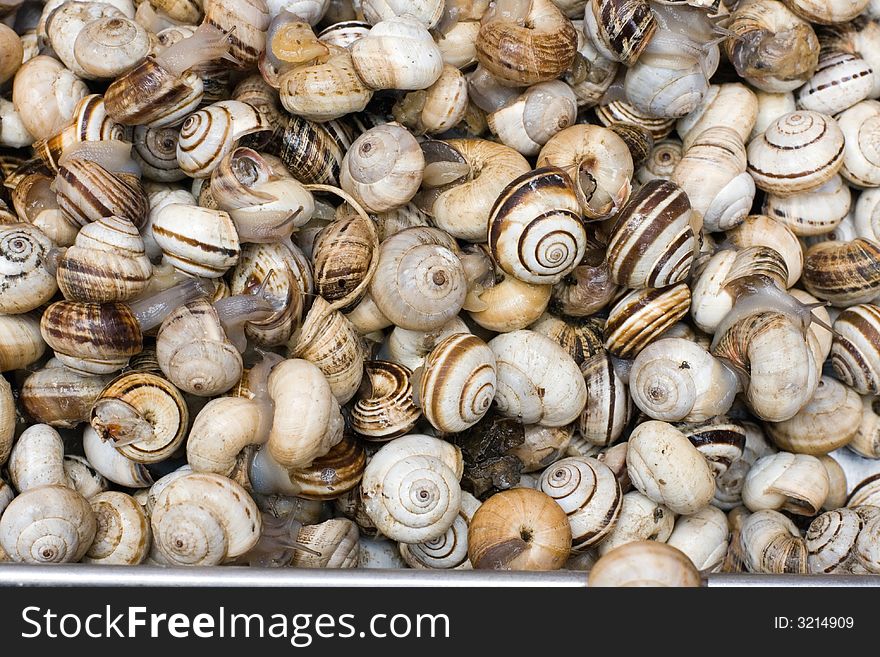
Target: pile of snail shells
{"points": [[265, 268]]}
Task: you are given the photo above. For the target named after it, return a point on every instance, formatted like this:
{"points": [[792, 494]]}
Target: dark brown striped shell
{"points": [[855, 349], [151, 95], [580, 337], [244, 22], [623, 27], [96, 338], [384, 407], [843, 273], [608, 408], [619, 111], [143, 414], [458, 383], [756, 261], [652, 243], [523, 55], [313, 152], [344, 257], [638, 140], [720, 439], [60, 397], [642, 316], [86, 191], [333, 474]]}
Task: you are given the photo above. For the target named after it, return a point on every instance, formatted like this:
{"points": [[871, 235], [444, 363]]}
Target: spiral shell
{"points": [[608, 408], [448, 551], [313, 152], [336, 542], [640, 519], [761, 230], [47, 524], [86, 191], [861, 154], [538, 49], [45, 94], [519, 529], [25, 282], [420, 281], [155, 150], [797, 152], [642, 316], [830, 541], [715, 111], [843, 273], [457, 384], [535, 230], [397, 53], [840, 81], [661, 162], [37, 459], [530, 121], [245, 24], [772, 544], [334, 474], [797, 483], [195, 240], [145, 415], [619, 111], [387, 410], [410, 488], [123, 531], [202, 518], [652, 243], [645, 563], [344, 258], [620, 30], [110, 46], [815, 212], [588, 492], [21, 342]]}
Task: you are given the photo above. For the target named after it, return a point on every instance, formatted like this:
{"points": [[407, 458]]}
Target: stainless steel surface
{"points": [[750, 579], [84, 575]]}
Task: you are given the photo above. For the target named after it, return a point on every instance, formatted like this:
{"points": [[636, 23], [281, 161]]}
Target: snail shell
{"points": [[819, 11], [330, 341], [865, 493], [326, 90], [47, 524], [222, 429], [334, 474], [830, 420], [244, 24], [87, 192], [8, 420], [542, 446], [598, 161], [645, 563], [21, 341], [620, 30], [336, 542], [715, 111], [410, 488], [519, 529], [840, 81], [386, 410], [772, 544], [664, 465], [207, 136], [588, 492], [640, 519], [637, 139], [383, 168], [123, 531], [110, 463], [530, 121], [712, 172], [761, 230], [866, 442], [155, 150], [652, 242], [797, 483], [703, 537], [106, 263], [25, 281], [420, 281], [608, 408], [815, 212], [728, 484], [35, 202], [307, 419], [642, 316], [676, 380], [344, 258], [64, 24], [619, 111], [843, 273], [797, 152], [90, 337], [535, 230], [720, 440], [537, 381], [312, 151], [444, 105], [409, 348], [770, 107], [193, 351], [580, 337], [201, 518], [658, 90], [661, 162], [427, 12], [861, 154], [457, 385], [344, 33], [109, 46], [831, 539], [45, 94], [195, 240], [37, 459], [450, 550], [13, 53], [397, 53], [536, 46], [143, 414]]}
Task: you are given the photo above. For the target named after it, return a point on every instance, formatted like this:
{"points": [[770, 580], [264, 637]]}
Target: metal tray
{"points": [[856, 468]]}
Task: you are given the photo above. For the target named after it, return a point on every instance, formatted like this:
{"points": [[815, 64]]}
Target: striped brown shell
{"points": [[843, 273], [95, 338], [60, 397], [799, 151], [195, 240], [244, 22], [642, 316], [608, 408], [143, 414], [152, 95], [855, 349], [580, 337], [538, 49], [638, 140], [384, 407], [620, 29], [458, 382], [313, 152], [619, 111], [840, 81], [652, 243], [344, 256], [86, 191], [720, 439], [333, 474]]}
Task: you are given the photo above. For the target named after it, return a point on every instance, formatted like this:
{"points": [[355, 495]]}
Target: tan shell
{"points": [[772, 544], [335, 541], [384, 408], [25, 281], [123, 531], [397, 53], [797, 483], [21, 343], [645, 563]]}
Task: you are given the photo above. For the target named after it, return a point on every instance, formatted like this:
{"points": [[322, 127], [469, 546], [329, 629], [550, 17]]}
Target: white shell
{"points": [[797, 483], [814, 212], [840, 81], [195, 240], [398, 53], [640, 519], [37, 459], [860, 125], [702, 537]]}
